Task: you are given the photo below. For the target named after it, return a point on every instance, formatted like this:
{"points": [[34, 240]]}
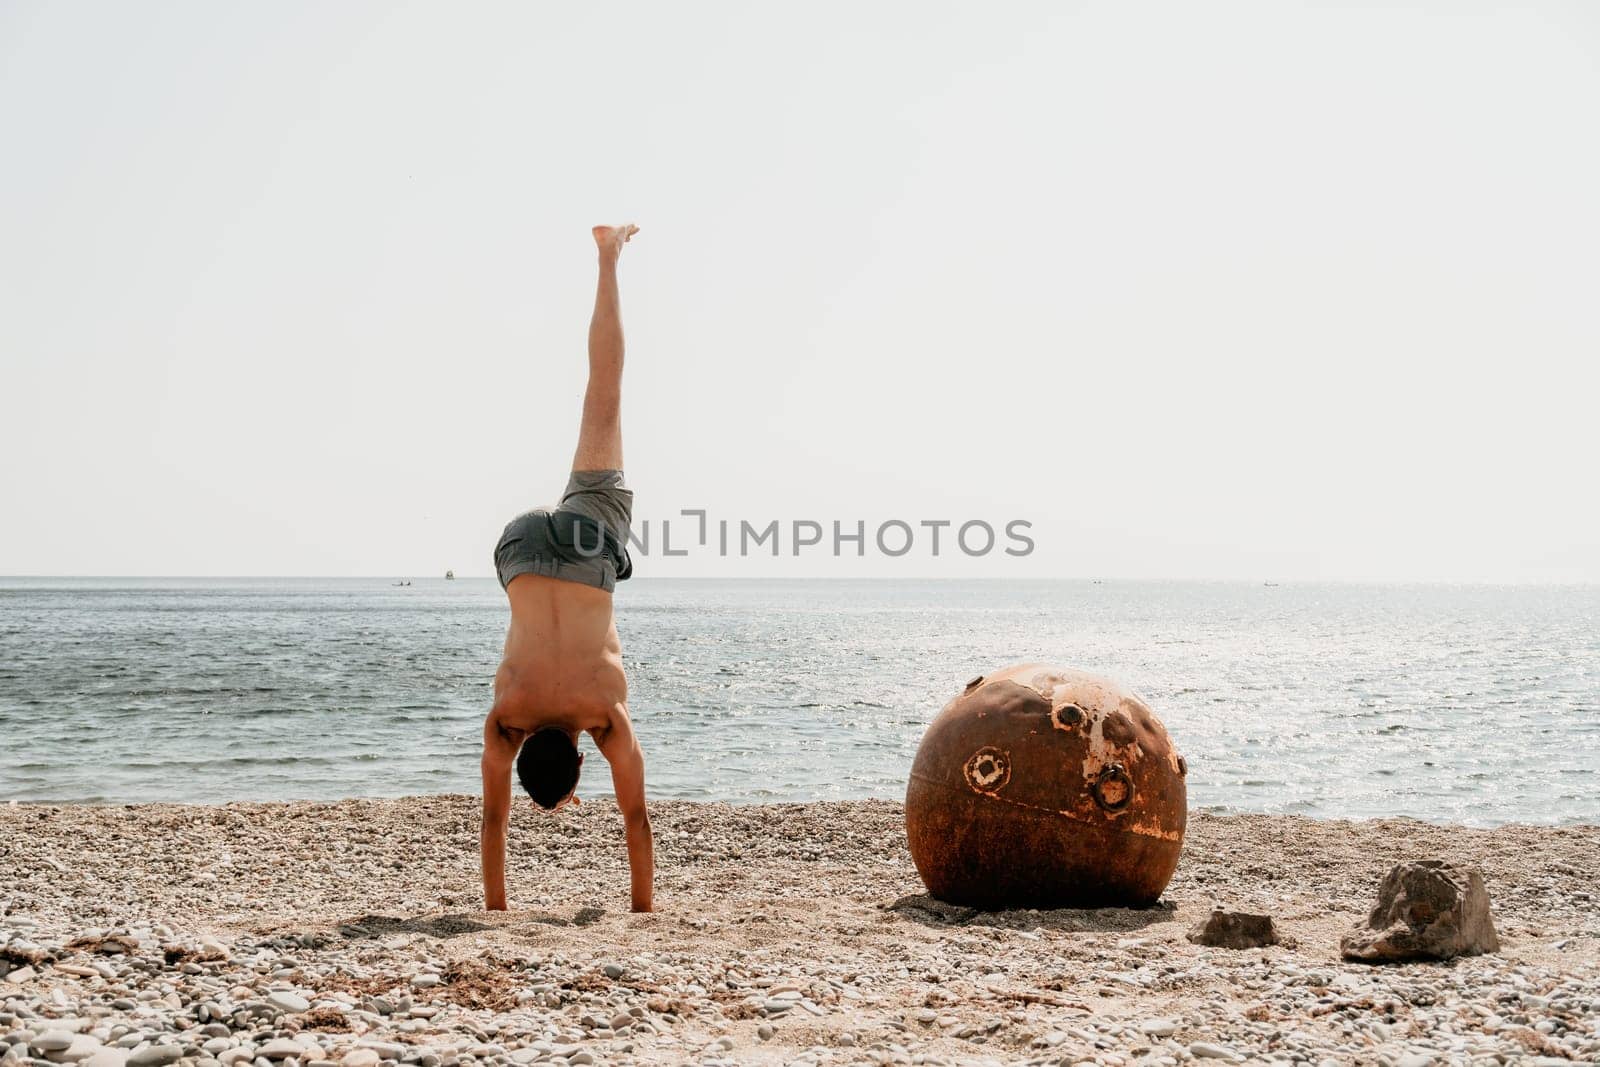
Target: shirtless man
{"points": [[562, 670]]}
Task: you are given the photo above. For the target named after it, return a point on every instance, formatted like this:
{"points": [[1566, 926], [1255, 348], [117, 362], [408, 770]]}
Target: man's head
{"points": [[548, 767]]}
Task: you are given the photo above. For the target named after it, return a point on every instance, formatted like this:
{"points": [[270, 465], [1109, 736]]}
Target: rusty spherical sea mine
{"points": [[1039, 787]]}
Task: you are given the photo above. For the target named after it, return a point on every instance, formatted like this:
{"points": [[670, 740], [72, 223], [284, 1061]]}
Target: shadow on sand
{"points": [[440, 926], [445, 926], [921, 908]]}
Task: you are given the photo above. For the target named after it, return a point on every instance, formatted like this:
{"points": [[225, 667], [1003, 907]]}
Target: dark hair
{"points": [[548, 766]]}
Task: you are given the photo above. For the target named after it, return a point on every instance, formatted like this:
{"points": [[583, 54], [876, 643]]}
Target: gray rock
{"points": [[83, 1046], [155, 1056], [1429, 909], [1158, 1027], [1204, 1050], [290, 1002], [52, 1041], [106, 1057], [614, 970], [1234, 929], [280, 1048], [362, 1057]]}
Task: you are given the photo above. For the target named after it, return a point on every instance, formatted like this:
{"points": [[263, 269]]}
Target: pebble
{"points": [[52, 1041], [1158, 1027], [280, 1048], [384, 1049], [1205, 1050], [83, 1046], [289, 1002], [155, 1055]]}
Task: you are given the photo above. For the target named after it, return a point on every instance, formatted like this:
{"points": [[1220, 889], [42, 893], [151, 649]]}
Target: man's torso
{"points": [[563, 659]]}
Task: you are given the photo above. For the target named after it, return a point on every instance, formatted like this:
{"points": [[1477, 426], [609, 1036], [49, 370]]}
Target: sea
{"points": [[1470, 704]]}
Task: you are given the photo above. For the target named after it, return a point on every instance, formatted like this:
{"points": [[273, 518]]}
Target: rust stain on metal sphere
{"points": [[1041, 787]]}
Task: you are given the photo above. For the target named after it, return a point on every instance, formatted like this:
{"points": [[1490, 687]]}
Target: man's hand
{"points": [[499, 755], [621, 749]]}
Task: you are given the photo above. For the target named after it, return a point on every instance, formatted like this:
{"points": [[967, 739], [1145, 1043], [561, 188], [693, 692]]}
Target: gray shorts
{"points": [[583, 539]]}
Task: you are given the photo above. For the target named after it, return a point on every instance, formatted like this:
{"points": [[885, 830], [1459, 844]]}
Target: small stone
{"points": [[621, 1019], [52, 1041], [425, 981], [1158, 1027], [155, 1056], [1204, 1050], [107, 1057], [289, 1002], [614, 970], [765, 1031], [21, 974], [1234, 929], [83, 1046], [361, 1057], [1415, 1059], [583, 1057], [280, 1048]]}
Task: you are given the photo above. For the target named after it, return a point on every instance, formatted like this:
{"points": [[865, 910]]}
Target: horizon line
{"points": [[1264, 581]]}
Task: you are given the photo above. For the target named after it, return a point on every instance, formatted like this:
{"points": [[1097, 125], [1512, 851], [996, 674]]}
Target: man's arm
{"points": [[621, 750], [499, 754]]}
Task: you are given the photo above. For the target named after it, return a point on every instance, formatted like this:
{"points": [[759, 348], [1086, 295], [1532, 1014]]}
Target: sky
{"points": [[1226, 291]]}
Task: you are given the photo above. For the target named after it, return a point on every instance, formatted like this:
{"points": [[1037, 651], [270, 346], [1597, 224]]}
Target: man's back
{"points": [[563, 660]]}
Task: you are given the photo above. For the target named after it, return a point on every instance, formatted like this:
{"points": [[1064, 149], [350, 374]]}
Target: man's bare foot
{"points": [[612, 238]]}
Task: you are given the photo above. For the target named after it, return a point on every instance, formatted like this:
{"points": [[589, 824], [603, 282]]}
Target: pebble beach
{"points": [[351, 934]]}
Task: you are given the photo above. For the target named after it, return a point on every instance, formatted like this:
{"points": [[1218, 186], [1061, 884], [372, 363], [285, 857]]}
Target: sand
{"points": [[293, 935]]}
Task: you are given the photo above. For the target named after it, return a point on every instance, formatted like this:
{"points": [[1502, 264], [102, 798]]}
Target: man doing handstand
{"points": [[562, 670]]}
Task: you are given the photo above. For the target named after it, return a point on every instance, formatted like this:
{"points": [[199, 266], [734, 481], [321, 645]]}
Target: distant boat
{"points": [[1270, 585], [450, 576]]}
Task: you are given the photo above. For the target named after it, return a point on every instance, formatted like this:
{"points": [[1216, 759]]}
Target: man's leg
{"points": [[600, 435]]}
